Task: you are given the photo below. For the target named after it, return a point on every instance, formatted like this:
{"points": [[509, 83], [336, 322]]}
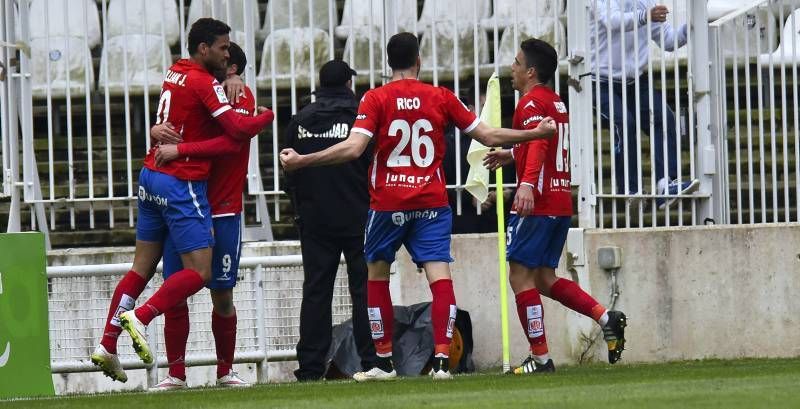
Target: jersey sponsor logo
{"points": [[400, 218], [242, 111], [361, 117], [558, 183], [536, 118], [375, 322], [529, 104], [176, 78], [221, 97], [149, 197], [403, 180], [408, 103], [337, 131], [560, 107]]}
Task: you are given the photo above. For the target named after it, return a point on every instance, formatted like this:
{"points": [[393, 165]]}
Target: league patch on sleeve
{"points": [[223, 99]]}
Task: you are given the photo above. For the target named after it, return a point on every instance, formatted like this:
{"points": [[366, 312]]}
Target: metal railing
{"points": [[90, 143], [756, 112], [267, 298]]}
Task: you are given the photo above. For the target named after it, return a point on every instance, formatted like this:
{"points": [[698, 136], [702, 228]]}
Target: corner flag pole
{"points": [[501, 251], [494, 115]]}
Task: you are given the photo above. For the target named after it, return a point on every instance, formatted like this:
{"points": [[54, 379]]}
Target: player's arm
{"points": [[470, 124], [237, 126], [345, 151], [489, 136], [524, 199]]}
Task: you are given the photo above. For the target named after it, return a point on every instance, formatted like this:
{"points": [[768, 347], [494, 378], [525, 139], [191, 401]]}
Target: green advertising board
{"points": [[24, 340]]}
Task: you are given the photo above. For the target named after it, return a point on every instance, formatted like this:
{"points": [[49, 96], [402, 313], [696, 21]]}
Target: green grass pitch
{"points": [[752, 383]]}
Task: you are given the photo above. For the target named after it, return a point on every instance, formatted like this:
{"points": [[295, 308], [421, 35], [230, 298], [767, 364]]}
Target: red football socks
{"points": [[176, 333], [573, 297], [124, 299], [443, 316], [381, 316], [174, 291], [531, 316], [224, 329]]}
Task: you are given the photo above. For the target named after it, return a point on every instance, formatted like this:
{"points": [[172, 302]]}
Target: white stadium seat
{"points": [[59, 18], [62, 33], [300, 13], [357, 14], [301, 39], [453, 19], [790, 44], [526, 12], [136, 61], [232, 12], [154, 17], [548, 29], [68, 59]]}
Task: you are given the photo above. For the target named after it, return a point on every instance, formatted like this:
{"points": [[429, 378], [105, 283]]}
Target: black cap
{"points": [[335, 73]]}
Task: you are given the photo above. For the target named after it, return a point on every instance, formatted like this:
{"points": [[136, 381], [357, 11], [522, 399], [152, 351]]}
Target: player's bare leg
{"points": [[568, 293], [381, 320], [443, 316], [531, 317], [179, 287], [127, 291], [223, 326]]}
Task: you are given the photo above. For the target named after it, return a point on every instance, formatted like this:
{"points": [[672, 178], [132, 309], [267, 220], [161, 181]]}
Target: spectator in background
{"points": [[331, 204], [625, 21], [469, 221]]}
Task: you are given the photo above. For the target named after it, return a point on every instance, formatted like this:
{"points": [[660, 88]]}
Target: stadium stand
{"points": [[790, 41], [76, 50], [233, 12]]}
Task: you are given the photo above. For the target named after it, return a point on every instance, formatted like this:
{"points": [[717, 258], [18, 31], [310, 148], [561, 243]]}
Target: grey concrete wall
{"points": [[689, 293]]}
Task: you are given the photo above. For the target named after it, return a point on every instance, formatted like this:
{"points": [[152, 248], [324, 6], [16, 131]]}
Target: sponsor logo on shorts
{"points": [[148, 197], [400, 218]]}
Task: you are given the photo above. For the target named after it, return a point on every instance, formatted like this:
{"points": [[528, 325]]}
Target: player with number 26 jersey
{"points": [[407, 120]]}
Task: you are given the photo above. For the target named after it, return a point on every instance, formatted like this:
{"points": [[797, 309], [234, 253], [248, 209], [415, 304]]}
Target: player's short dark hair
{"points": [[237, 57], [402, 51], [541, 56], [205, 30]]}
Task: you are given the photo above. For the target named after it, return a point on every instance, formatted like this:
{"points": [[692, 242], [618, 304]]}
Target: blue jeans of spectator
{"points": [[664, 130]]}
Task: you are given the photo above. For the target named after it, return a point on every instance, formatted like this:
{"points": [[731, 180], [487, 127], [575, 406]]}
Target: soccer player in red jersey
{"points": [[225, 189], [542, 209], [408, 198], [172, 198]]}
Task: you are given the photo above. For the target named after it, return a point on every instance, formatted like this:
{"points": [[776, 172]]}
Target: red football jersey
{"points": [[190, 100], [407, 119], [228, 173], [544, 163]]}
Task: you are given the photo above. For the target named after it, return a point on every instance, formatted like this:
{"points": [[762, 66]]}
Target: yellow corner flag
{"points": [[477, 182]]}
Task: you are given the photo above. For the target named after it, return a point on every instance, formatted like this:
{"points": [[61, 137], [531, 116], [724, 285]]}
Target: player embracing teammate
{"points": [[542, 209], [172, 196], [408, 199]]}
